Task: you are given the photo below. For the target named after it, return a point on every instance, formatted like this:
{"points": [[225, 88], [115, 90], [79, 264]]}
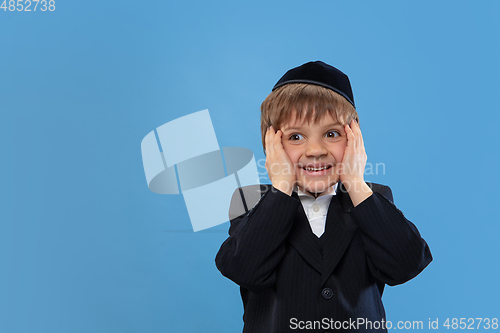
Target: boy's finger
{"points": [[278, 146], [269, 142], [350, 137], [360, 135], [274, 139], [266, 140], [357, 129], [357, 133], [347, 134]]}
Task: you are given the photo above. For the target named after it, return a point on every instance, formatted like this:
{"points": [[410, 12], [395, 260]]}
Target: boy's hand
{"points": [[353, 165], [279, 167]]}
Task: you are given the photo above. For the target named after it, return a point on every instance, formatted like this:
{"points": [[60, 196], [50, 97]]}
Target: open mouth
{"points": [[317, 169]]}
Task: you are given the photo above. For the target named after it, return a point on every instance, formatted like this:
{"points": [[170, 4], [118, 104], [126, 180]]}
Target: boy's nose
{"points": [[315, 149]]}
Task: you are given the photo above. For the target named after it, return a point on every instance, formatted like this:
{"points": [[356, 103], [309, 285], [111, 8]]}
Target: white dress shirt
{"points": [[317, 208]]}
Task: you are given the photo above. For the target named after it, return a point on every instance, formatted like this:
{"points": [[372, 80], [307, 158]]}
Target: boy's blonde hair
{"points": [[303, 101]]}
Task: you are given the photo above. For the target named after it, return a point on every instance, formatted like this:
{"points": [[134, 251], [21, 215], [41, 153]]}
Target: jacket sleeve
{"points": [[256, 242], [395, 251]]}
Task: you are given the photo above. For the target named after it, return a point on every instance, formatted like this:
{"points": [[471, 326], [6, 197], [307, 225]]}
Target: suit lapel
{"points": [[304, 241], [339, 230]]}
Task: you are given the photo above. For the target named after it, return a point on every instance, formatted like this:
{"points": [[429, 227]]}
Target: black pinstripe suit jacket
{"points": [[290, 279]]}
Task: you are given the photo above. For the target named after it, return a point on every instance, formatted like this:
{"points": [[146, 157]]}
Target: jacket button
{"points": [[327, 293]]}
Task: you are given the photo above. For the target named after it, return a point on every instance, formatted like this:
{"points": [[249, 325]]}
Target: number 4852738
{"points": [[28, 5]]}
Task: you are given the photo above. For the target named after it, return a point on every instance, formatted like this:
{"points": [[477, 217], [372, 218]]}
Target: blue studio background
{"points": [[86, 247]]}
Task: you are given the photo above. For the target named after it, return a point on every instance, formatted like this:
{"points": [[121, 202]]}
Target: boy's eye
{"points": [[332, 134], [295, 136]]}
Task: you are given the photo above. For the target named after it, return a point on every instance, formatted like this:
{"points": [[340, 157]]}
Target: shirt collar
{"points": [[330, 192]]}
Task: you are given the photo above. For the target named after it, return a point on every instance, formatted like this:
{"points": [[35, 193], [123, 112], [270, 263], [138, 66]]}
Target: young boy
{"points": [[316, 251]]}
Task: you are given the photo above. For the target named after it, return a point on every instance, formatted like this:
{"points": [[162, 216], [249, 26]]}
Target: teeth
{"points": [[316, 169]]}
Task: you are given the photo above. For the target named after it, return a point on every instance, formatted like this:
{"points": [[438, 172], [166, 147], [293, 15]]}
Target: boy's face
{"points": [[316, 151]]}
